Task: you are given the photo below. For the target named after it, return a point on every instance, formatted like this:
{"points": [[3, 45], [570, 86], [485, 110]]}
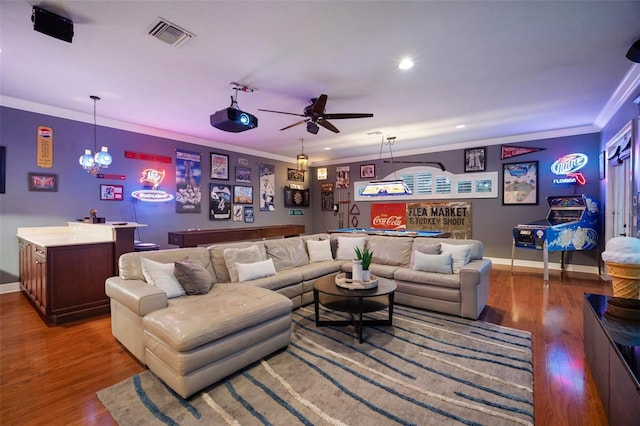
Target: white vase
{"points": [[356, 270], [366, 275]]}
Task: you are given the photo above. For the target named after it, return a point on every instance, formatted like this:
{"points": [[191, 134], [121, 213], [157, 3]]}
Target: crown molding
{"points": [[623, 92]]}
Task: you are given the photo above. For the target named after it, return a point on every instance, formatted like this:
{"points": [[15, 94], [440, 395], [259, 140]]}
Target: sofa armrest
{"points": [[474, 287], [474, 272], [136, 295]]}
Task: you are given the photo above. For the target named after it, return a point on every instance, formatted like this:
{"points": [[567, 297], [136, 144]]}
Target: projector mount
{"points": [[234, 97]]}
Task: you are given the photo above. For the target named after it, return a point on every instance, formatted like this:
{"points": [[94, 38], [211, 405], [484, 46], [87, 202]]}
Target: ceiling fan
{"points": [[314, 114]]}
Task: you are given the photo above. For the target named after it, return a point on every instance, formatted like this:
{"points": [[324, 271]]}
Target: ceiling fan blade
{"points": [[434, 163], [340, 116], [324, 123], [281, 112], [294, 124], [319, 105]]}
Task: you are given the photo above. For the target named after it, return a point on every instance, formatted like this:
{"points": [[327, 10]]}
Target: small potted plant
{"points": [[365, 256]]}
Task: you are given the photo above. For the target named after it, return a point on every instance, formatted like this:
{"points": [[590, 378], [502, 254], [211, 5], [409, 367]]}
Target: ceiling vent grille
{"points": [[169, 33]]}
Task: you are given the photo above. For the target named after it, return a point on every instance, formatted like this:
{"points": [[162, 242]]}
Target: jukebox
{"points": [[571, 224]]}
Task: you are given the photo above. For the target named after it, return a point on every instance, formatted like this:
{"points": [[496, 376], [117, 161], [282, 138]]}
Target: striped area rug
{"points": [[426, 369]]}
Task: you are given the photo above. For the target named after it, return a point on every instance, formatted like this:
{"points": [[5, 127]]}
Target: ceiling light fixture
{"points": [[377, 188], [405, 64], [302, 160], [92, 162]]}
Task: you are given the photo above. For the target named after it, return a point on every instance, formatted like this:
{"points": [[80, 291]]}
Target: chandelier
{"points": [[92, 162], [302, 160]]}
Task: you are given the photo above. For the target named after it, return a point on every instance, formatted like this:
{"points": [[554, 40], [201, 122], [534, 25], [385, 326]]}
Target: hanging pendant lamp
{"points": [[92, 162], [302, 160]]}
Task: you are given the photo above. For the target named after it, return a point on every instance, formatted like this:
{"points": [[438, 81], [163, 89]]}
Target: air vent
{"points": [[169, 33]]}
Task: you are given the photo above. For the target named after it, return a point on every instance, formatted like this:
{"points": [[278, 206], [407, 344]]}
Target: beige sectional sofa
{"points": [[192, 341]]}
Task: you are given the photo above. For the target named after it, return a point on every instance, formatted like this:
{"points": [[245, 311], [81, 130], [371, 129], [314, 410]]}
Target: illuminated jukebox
{"points": [[571, 224]]}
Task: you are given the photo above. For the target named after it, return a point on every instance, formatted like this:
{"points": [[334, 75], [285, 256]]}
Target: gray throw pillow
{"points": [[193, 277]]}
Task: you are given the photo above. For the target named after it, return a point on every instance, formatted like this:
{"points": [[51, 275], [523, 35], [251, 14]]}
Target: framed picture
{"points": [[238, 213], [219, 201], [342, 177], [295, 175], [243, 174], [368, 171], [474, 159], [248, 214], [219, 166], [242, 194], [267, 188], [520, 183], [45, 182], [111, 192], [321, 173]]}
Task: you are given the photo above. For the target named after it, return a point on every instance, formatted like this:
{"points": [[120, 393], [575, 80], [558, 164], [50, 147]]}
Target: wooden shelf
{"points": [[211, 236]]}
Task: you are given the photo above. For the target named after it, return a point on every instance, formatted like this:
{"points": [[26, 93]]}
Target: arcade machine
{"points": [[571, 224]]}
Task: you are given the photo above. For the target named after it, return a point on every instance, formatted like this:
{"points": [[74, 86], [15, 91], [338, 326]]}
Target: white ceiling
{"points": [[507, 70]]}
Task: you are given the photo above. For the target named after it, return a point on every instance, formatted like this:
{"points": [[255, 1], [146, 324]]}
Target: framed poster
{"points": [[248, 214], [111, 192], [238, 213], [368, 171], [520, 183], [326, 200], [243, 174], [44, 182], [242, 194], [342, 177], [267, 188], [295, 175], [219, 166], [321, 173], [219, 201], [474, 159]]}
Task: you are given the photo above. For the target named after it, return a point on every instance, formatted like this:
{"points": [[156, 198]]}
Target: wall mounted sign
{"points": [[45, 147], [151, 179], [147, 157], [110, 176], [111, 192], [567, 166], [514, 151], [388, 215], [453, 217], [44, 182]]}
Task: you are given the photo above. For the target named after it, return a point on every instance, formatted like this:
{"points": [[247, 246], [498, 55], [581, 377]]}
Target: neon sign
{"points": [[568, 167], [151, 179]]}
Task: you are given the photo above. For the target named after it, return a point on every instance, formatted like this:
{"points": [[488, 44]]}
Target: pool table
{"points": [[393, 232]]}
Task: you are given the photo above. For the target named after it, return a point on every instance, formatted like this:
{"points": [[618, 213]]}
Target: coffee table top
{"points": [[327, 285]]}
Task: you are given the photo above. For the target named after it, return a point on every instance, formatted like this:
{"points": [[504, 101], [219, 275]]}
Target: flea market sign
{"points": [[453, 217]]}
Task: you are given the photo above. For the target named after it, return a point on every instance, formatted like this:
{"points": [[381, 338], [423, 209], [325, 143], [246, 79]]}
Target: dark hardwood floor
{"points": [[50, 375]]}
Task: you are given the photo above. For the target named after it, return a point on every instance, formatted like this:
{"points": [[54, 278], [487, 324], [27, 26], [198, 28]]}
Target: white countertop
{"points": [[75, 233]]}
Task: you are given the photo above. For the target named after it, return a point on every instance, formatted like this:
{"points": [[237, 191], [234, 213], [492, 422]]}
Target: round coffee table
{"points": [[353, 302]]}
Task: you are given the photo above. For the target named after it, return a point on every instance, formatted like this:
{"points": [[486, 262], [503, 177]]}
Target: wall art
{"points": [[295, 175], [368, 171], [44, 182], [243, 174], [219, 166], [219, 201], [475, 159], [242, 194], [111, 192], [520, 183], [188, 176], [267, 188]]}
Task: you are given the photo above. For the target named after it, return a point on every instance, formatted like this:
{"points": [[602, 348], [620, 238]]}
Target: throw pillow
{"points": [[319, 250], [252, 271], [459, 253], [232, 256], [161, 276], [423, 246], [193, 277], [440, 263], [347, 247]]}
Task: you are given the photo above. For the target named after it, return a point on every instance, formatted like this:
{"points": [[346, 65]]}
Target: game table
{"points": [[392, 232]]}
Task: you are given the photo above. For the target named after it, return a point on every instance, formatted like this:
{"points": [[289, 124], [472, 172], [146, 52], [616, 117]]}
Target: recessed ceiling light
{"points": [[461, 126], [405, 64], [328, 148]]}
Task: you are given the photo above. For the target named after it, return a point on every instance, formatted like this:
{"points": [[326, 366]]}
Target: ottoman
{"points": [[199, 340]]}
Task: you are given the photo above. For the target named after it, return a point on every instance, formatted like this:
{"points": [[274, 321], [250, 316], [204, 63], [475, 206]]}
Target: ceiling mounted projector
{"points": [[233, 119]]}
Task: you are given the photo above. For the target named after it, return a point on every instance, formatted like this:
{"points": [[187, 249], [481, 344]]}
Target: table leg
{"points": [[360, 309], [316, 306]]}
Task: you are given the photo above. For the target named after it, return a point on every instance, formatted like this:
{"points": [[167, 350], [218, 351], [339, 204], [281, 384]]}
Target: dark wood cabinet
{"points": [[64, 283], [615, 367]]}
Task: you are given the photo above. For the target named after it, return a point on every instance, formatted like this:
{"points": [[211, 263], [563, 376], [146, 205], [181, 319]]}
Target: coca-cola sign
{"points": [[388, 215]]}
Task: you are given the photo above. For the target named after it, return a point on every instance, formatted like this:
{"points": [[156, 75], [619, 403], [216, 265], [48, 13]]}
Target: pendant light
{"points": [[377, 188], [92, 162], [302, 160]]}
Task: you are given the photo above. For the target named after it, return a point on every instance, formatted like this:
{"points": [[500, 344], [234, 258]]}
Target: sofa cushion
{"points": [[319, 250], [420, 278], [287, 253], [346, 247], [441, 263], [193, 277], [460, 254], [130, 265], [161, 275], [390, 250], [219, 263], [251, 271], [232, 256]]}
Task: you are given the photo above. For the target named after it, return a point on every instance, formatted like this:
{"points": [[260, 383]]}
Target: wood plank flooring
{"points": [[49, 375]]}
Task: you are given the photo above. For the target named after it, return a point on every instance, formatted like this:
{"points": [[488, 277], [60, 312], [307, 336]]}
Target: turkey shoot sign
{"points": [[452, 217]]}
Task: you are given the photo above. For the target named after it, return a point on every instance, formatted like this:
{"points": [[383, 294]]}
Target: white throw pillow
{"points": [[459, 253], [319, 250], [251, 271], [440, 263], [347, 247], [161, 275]]}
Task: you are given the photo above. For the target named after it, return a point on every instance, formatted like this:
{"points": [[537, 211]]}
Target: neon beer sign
{"points": [[151, 179], [567, 166]]}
